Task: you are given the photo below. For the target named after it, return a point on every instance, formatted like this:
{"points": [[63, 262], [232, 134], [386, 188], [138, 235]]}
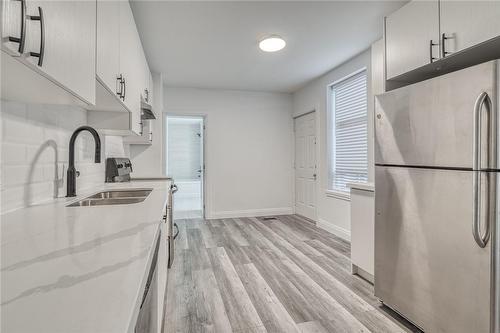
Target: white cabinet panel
{"points": [[108, 43], [68, 46], [12, 23], [69, 43], [363, 231], [150, 87], [469, 23], [131, 65], [409, 32]]}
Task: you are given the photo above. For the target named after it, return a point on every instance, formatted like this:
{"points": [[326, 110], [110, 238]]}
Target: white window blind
{"points": [[348, 132]]}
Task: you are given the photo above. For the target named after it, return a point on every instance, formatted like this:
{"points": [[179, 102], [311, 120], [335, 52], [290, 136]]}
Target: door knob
{"points": [[314, 176]]}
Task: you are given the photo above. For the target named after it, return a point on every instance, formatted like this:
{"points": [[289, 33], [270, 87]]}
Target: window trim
{"points": [[330, 142]]}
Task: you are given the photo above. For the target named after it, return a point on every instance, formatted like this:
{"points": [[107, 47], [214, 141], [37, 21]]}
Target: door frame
{"points": [[318, 173], [203, 117]]}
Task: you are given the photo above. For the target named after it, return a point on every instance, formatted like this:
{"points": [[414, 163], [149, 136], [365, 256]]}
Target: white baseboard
{"points": [[361, 272], [249, 213], [336, 230]]}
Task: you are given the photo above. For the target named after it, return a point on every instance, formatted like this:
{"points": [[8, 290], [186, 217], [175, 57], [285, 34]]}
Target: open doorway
{"points": [[185, 163]]}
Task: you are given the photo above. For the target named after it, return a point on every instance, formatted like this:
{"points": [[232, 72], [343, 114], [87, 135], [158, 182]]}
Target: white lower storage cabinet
{"points": [[363, 229]]}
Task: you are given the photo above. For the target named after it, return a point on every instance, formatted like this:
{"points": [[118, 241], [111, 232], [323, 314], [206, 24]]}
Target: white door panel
{"points": [[468, 23], [305, 165], [69, 48], [108, 42], [409, 31]]}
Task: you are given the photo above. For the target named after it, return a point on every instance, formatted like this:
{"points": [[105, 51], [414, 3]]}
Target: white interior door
{"points": [[305, 165]]}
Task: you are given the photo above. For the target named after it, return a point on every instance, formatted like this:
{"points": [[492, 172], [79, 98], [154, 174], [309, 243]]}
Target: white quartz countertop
{"points": [[78, 269]]}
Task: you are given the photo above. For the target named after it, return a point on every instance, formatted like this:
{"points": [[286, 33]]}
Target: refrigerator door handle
{"points": [[477, 129], [481, 238]]}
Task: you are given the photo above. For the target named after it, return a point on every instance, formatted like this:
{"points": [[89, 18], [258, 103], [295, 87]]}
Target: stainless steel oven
{"points": [[147, 321]]}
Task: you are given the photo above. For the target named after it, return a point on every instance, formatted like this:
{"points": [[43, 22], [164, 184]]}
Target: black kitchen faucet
{"points": [[72, 173]]}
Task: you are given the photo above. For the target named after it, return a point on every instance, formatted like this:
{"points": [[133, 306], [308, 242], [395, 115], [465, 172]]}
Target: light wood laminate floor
{"points": [[259, 275]]}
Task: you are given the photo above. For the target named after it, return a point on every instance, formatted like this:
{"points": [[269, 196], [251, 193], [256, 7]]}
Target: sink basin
{"points": [[113, 197], [120, 194]]}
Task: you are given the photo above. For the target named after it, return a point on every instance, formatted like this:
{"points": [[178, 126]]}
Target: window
{"points": [[348, 136]]}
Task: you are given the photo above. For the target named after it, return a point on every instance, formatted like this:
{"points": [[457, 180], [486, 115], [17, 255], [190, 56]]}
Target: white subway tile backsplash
{"points": [[34, 153], [13, 153]]}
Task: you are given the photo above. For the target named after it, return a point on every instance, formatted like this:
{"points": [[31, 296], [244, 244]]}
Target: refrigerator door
{"points": [[431, 123], [428, 267]]}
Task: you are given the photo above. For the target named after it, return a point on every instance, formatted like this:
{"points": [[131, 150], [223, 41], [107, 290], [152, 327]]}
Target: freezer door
{"points": [[431, 123], [427, 265]]}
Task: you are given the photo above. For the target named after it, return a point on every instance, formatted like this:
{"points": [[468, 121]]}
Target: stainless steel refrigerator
{"points": [[437, 210]]}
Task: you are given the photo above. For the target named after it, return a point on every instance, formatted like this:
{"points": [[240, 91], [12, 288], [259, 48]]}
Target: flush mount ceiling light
{"points": [[272, 44]]}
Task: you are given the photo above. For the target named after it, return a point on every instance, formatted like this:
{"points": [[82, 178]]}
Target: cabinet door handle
{"points": [[39, 54], [443, 46], [21, 38], [431, 57], [124, 88], [119, 85]]}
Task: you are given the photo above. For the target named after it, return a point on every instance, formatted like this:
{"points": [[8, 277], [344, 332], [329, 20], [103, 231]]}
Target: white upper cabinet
{"points": [[150, 87], [422, 32], [13, 26], [108, 44], [412, 37], [59, 41], [131, 65], [467, 23]]}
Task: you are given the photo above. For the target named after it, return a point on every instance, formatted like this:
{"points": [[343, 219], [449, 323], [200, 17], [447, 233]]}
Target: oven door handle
{"points": [[177, 231]]}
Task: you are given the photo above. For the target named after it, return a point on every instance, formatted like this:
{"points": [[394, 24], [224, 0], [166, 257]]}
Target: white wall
{"points": [[34, 153], [334, 212], [249, 149]]}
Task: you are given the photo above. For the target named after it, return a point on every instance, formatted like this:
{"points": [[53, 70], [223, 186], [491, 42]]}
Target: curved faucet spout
{"points": [[72, 173]]}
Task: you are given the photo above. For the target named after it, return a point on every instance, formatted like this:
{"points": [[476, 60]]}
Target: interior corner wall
{"points": [[333, 212], [248, 149]]}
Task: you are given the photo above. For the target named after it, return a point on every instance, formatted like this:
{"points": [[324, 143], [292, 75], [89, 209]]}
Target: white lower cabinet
{"points": [[162, 273], [59, 42], [363, 230]]}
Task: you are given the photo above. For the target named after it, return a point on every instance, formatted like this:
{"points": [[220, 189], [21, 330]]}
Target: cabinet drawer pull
{"points": [[21, 38], [39, 54]]}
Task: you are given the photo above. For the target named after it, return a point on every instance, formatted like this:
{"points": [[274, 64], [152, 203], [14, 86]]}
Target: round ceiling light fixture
{"points": [[272, 44]]}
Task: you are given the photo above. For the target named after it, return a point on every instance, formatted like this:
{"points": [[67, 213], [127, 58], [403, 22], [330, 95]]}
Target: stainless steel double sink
{"points": [[113, 197]]}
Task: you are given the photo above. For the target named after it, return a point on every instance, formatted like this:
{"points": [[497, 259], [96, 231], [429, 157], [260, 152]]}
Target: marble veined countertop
{"points": [[78, 269]]}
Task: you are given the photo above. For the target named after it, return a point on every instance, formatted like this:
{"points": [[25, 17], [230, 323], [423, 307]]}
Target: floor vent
{"points": [[269, 218]]}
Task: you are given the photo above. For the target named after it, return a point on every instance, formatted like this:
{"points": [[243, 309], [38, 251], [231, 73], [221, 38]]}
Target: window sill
{"points": [[338, 195]]}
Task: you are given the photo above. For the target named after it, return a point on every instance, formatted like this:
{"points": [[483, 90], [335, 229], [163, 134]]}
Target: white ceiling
{"points": [[215, 44]]}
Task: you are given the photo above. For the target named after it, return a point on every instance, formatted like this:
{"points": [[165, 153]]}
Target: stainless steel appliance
{"points": [[171, 225], [118, 169], [147, 319], [437, 210]]}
